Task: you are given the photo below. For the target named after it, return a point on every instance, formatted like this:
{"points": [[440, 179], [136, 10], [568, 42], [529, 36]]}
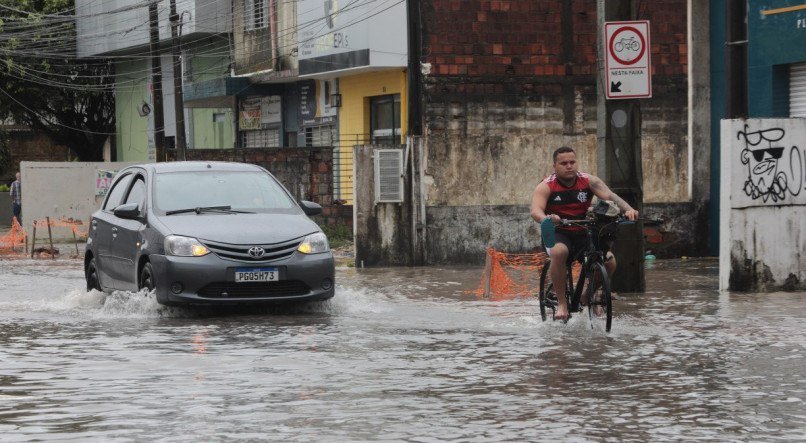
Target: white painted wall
{"points": [[61, 190], [763, 205]]}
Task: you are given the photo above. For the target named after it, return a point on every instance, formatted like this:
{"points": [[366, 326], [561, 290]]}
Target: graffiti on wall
{"points": [[774, 165]]}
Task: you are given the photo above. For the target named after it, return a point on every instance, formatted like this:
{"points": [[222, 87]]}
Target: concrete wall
{"points": [[61, 190], [115, 25], [763, 205], [382, 231]]}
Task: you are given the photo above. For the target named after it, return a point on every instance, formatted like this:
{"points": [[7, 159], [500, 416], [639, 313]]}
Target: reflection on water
{"points": [[400, 354]]}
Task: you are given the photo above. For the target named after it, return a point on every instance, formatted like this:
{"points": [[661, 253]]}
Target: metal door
{"points": [[103, 227], [126, 239], [797, 90]]}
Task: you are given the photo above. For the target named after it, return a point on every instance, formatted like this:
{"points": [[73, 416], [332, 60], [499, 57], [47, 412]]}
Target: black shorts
{"points": [[577, 242]]}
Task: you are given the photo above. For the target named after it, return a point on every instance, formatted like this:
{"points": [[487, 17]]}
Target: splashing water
{"points": [[399, 354]]}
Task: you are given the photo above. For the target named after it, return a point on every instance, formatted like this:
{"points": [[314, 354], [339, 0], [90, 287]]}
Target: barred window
{"points": [[320, 136], [255, 14], [267, 138]]}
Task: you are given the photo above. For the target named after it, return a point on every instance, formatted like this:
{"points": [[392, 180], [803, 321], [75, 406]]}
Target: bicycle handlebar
{"points": [[620, 219]]}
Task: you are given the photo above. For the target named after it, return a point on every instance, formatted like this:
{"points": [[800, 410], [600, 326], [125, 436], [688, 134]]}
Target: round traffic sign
{"points": [[627, 45]]}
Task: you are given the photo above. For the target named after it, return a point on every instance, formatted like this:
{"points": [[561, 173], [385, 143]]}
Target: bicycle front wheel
{"points": [[546, 291], [600, 300]]}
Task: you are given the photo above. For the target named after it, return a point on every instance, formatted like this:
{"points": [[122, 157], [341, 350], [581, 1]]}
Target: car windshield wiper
{"points": [[200, 209]]}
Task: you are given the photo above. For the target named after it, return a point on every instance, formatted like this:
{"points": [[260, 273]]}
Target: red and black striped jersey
{"points": [[569, 202]]}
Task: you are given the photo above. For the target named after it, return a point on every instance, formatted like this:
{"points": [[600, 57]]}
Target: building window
{"points": [[268, 138], [318, 136], [384, 120], [255, 14]]}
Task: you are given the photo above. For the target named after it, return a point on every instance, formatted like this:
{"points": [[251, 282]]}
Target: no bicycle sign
{"points": [[628, 70]]}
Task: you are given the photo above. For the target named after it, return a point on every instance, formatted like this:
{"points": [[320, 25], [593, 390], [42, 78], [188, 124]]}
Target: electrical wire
{"points": [[28, 43]]}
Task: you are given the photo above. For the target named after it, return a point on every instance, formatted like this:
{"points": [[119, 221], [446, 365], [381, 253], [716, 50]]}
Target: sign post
{"points": [[628, 65], [625, 78]]}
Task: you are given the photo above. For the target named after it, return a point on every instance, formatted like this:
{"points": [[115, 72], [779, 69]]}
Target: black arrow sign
{"points": [[615, 86]]}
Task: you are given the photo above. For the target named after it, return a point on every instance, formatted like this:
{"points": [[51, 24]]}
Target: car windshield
{"points": [[251, 191]]}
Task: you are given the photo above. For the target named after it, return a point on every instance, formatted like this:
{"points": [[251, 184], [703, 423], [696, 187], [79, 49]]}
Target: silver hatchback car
{"points": [[207, 233]]}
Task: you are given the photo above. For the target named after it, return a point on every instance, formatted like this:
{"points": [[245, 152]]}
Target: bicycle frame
{"points": [[587, 257]]}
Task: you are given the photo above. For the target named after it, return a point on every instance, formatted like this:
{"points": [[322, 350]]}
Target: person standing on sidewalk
{"points": [[16, 198]]}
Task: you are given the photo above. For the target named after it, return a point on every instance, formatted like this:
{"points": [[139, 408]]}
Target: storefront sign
{"points": [[349, 34], [314, 102], [249, 120]]}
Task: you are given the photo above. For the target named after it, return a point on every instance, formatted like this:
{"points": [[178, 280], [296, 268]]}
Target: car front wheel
{"points": [[92, 276], [147, 278]]}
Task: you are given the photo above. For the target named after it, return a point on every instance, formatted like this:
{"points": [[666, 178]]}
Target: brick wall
{"points": [[24, 145], [307, 173]]}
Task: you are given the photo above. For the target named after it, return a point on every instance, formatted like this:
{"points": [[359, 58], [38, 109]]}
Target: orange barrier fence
{"points": [[76, 226], [15, 239], [509, 276]]}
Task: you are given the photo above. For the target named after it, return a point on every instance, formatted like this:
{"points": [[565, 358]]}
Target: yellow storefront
{"points": [[373, 111]]}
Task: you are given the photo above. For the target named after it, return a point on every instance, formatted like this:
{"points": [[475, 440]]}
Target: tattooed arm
{"points": [[601, 190]]}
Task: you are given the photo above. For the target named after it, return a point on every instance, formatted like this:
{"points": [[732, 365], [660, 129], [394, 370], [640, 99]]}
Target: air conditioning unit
{"points": [[388, 176]]}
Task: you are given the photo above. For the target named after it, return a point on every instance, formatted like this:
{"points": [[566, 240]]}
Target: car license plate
{"points": [[243, 275]]}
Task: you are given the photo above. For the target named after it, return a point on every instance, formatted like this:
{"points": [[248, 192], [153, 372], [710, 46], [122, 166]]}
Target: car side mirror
{"points": [[130, 211], [310, 208]]}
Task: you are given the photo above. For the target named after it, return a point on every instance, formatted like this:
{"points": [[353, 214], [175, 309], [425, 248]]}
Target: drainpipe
{"points": [[273, 30], [415, 132]]}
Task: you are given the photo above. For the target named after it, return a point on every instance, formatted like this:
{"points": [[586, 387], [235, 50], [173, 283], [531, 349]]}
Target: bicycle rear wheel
{"points": [[600, 300]]}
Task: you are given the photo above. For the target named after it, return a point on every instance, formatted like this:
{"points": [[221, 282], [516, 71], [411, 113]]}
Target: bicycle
{"points": [[593, 279], [627, 43]]}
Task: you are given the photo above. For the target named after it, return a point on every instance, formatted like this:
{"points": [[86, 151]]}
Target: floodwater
{"points": [[404, 354]]}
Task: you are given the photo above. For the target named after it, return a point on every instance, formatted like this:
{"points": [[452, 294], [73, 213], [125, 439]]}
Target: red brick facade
{"points": [[525, 38]]}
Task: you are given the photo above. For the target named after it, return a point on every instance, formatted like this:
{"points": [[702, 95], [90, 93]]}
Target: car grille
{"points": [[273, 251], [254, 289]]}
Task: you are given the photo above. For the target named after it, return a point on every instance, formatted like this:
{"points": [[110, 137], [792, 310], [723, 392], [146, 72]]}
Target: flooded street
{"points": [[400, 355]]}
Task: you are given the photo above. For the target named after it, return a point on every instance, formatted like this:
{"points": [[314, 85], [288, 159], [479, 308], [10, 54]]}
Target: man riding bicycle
{"points": [[567, 194]]}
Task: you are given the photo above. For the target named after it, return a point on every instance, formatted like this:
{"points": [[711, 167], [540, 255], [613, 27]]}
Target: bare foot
{"points": [[598, 309], [561, 315]]}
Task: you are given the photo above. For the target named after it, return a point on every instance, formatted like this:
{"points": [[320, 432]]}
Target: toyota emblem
{"points": [[256, 251]]}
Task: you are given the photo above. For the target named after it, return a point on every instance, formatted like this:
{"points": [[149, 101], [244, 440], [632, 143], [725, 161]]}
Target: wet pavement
{"points": [[404, 354]]}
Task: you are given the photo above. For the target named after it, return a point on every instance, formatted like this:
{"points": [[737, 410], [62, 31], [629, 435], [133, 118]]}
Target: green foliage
{"points": [[45, 86], [338, 235], [5, 188]]}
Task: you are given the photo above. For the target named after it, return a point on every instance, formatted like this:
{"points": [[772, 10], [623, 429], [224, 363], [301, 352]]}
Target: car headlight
{"points": [[184, 246], [314, 244]]}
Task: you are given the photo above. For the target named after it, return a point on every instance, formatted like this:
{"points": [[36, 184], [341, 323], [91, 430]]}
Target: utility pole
{"points": [[179, 103], [156, 81], [619, 155]]}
